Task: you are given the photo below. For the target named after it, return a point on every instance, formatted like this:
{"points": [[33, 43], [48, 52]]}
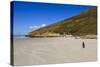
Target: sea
{"points": [[20, 36]]}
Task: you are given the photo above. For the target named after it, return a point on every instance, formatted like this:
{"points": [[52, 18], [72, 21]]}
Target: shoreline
{"points": [[68, 36]]}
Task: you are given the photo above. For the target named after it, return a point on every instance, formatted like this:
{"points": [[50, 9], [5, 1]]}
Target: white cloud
{"points": [[30, 27], [36, 27], [33, 27], [43, 25]]}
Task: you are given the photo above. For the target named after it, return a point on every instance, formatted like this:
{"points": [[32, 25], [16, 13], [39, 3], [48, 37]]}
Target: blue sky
{"points": [[29, 16]]}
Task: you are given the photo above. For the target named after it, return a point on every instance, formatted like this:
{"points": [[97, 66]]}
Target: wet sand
{"points": [[38, 51]]}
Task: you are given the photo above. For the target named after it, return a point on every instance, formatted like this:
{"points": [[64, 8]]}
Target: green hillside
{"points": [[84, 23]]}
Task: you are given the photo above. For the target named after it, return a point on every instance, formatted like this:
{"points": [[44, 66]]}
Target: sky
{"points": [[29, 16]]}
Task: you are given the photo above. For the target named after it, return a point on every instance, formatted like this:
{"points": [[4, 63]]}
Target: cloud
{"points": [[30, 27], [43, 25], [33, 27], [36, 27]]}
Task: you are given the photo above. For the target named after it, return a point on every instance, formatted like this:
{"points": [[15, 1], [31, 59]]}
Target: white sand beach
{"points": [[54, 50]]}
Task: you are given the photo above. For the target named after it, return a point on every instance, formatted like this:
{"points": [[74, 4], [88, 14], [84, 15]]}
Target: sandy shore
{"points": [[33, 51]]}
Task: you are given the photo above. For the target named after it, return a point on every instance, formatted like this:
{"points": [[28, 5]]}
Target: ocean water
{"points": [[20, 36]]}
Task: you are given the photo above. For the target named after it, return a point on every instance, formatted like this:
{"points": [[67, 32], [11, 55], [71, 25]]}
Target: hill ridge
{"points": [[84, 23]]}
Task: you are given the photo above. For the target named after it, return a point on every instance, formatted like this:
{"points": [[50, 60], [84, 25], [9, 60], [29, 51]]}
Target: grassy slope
{"points": [[82, 24]]}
